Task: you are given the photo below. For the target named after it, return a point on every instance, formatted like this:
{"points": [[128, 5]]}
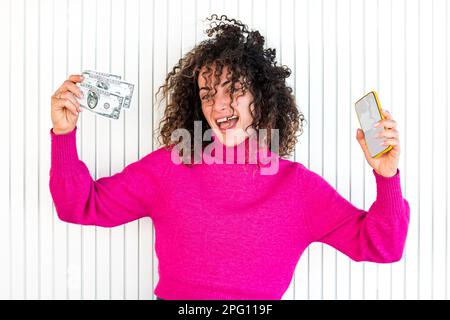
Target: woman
{"points": [[225, 230]]}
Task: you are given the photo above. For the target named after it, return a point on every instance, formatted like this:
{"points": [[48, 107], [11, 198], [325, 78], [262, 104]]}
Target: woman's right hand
{"points": [[65, 107]]}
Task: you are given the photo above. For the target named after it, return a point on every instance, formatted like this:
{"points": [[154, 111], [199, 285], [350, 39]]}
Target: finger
{"points": [[66, 103], [72, 87], [390, 142], [71, 97], [76, 78], [387, 134], [68, 86], [387, 123], [362, 141], [386, 114], [65, 95]]}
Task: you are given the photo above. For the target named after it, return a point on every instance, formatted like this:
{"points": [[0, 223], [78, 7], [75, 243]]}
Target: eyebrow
{"points": [[223, 84]]}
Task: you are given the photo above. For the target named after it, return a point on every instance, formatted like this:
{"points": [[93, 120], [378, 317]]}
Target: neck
{"points": [[246, 152]]}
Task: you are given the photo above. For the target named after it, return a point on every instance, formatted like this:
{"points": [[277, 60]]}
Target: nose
{"points": [[222, 104], [220, 107]]}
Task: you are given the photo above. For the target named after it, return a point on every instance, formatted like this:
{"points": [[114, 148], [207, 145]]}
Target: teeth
{"points": [[219, 121]]}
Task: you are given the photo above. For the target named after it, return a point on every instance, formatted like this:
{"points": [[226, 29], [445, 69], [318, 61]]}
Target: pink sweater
{"points": [[222, 231]]}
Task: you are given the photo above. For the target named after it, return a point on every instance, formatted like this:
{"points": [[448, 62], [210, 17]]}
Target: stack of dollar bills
{"points": [[104, 93]]}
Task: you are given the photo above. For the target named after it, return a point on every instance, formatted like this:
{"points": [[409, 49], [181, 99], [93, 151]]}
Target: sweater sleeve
{"points": [[376, 235], [109, 201]]}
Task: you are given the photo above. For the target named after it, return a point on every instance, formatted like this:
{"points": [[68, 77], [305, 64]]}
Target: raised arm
{"points": [[109, 201], [376, 235]]}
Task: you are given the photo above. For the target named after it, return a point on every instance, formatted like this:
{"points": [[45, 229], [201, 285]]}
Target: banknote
{"points": [[100, 101], [104, 74], [110, 84]]}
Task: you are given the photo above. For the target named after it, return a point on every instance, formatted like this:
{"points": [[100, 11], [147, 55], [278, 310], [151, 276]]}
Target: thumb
{"points": [[359, 135], [362, 141]]}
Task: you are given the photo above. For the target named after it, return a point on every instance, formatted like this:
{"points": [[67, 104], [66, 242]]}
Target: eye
{"points": [[235, 89], [205, 97]]}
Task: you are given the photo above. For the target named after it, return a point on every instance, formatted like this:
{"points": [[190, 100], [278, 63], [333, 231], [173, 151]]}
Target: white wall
{"points": [[338, 50]]}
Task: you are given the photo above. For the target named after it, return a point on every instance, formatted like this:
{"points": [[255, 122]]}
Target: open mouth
{"points": [[227, 122]]}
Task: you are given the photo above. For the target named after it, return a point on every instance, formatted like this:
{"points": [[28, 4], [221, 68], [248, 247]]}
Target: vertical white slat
{"points": [[425, 179], [117, 35], [173, 55], [17, 150], [345, 133], [370, 81], [148, 46], [302, 94], [447, 148], [438, 125], [260, 17], [103, 144], [188, 26], [131, 74], [410, 148], [286, 54], [398, 110], [217, 7], [230, 8], [74, 267], [5, 127], [31, 150], [87, 153], [384, 85], [357, 159], [201, 12], [331, 127], [316, 117], [46, 213], [146, 125], [286, 57], [245, 11], [59, 75]]}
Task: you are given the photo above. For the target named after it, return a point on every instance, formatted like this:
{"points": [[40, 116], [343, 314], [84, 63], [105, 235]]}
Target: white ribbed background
{"points": [[337, 50]]}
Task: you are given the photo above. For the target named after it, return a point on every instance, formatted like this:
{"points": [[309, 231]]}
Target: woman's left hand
{"points": [[387, 163]]}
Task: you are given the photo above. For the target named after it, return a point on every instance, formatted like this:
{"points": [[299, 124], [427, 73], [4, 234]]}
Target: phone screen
{"points": [[369, 112]]}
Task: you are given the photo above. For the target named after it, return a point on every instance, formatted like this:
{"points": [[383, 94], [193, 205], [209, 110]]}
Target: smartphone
{"points": [[368, 110]]}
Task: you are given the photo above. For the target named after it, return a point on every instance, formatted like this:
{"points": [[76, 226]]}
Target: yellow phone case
{"points": [[388, 148]]}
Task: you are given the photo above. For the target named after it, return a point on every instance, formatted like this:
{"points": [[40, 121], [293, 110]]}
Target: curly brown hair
{"points": [[231, 44]]}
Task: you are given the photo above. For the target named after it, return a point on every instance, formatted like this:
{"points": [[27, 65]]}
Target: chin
{"points": [[231, 137]]}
